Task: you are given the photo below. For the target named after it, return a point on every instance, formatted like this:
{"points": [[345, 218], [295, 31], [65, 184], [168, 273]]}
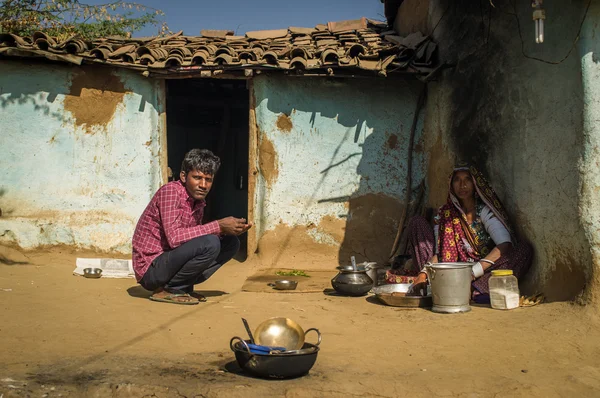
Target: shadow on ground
{"points": [[7, 261], [139, 292]]}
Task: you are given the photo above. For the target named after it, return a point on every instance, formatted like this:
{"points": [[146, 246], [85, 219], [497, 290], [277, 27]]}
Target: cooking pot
{"points": [[450, 286], [352, 282]]}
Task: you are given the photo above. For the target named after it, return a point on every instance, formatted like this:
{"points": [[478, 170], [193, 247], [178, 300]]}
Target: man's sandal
{"points": [[198, 296], [172, 298]]}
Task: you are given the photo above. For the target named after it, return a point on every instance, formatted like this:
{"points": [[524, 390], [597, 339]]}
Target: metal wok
{"points": [[274, 365]]}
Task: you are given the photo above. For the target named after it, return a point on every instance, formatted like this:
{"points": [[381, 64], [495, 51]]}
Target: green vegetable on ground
{"points": [[294, 272]]}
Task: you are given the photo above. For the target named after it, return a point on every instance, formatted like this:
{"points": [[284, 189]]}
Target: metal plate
{"points": [[391, 288], [395, 295]]}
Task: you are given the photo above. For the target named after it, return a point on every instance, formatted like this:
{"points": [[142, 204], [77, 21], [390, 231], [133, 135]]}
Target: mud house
{"points": [[312, 126]]}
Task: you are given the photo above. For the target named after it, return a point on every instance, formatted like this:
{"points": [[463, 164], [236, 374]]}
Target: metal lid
{"points": [[370, 265], [349, 268]]}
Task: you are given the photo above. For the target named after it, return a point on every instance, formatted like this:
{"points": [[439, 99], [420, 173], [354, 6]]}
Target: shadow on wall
{"points": [[91, 93], [368, 227], [3, 211]]}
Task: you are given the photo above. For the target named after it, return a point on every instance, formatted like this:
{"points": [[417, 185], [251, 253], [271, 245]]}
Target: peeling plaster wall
{"points": [[332, 157], [79, 154], [522, 122]]}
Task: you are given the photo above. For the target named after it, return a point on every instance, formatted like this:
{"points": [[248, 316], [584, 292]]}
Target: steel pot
{"points": [[274, 365], [450, 286], [351, 282], [373, 271]]}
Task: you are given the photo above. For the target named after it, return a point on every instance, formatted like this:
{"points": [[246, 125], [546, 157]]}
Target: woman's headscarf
{"points": [[457, 241]]}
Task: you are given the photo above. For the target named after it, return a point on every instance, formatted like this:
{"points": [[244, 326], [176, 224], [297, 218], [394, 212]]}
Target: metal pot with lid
{"points": [[352, 281]]}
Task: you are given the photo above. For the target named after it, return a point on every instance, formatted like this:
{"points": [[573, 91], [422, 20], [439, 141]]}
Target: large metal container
{"points": [[450, 286]]}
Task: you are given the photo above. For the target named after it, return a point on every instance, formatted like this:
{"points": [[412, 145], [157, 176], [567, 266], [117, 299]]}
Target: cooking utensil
{"points": [[353, 261], [352, 281], [282, 332], [450, 286], [274, 365], [371, 268], [395, 295], [248, 331], [262, 349], [93, 273], [284, 284]]}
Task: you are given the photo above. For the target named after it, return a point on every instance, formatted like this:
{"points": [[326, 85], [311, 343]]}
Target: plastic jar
{"points": [[504, 290]]}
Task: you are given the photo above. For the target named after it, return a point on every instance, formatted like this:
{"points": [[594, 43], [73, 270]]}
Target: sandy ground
{"points": [[63, 335]]}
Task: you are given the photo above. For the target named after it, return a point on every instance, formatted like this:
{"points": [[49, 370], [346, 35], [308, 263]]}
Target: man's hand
{"points": [[247, 227], [233, 226]]}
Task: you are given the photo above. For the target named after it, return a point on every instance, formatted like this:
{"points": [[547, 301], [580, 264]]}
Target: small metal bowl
{"points": [[284, 285], [94, 273]]}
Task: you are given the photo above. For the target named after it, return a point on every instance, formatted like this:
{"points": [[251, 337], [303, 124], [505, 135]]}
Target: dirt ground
{"points": [[67, 336]]}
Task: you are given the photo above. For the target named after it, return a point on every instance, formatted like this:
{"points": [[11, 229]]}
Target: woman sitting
{"points": [[471, 227]]}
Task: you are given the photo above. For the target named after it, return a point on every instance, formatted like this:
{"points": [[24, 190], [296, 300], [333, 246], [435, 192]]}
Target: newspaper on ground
{"points": [[111, 267]]}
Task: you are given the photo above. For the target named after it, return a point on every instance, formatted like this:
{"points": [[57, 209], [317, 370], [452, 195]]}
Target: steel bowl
{"points": [[93, 273], [284, 285], [274, 365]]}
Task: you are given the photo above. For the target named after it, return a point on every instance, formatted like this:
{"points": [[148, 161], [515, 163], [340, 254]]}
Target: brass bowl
{"points": [[93, 273], [280, 332]]}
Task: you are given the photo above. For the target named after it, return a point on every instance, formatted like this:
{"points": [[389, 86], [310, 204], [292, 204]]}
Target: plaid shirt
{"points": [[171, 218]]}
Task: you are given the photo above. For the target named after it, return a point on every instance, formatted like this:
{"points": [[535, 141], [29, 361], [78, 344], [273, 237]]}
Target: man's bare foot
{"points": [[174, 297]]}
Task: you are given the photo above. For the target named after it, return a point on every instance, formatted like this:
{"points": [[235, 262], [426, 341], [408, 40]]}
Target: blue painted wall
{"points": [[68, 182], [332, 156], [81, 159]]}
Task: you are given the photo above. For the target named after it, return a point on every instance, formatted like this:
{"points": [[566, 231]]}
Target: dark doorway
{"points": [[213, 114]]}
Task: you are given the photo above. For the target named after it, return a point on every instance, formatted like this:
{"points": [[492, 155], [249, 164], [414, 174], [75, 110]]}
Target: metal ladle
{"points": [[248, 331]]}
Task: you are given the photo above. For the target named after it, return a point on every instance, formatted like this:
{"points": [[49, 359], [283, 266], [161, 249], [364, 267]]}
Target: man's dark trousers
{"points": [[191, 263]]}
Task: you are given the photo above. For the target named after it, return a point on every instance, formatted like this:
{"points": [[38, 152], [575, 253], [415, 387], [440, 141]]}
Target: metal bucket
{"points": [[450, 286]]}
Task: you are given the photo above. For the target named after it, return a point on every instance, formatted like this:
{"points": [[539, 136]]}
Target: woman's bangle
{"points": [[477, 270], [487, 261]]}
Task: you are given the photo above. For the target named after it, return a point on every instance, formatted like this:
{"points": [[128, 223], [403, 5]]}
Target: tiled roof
{"points": [[359, 44]]}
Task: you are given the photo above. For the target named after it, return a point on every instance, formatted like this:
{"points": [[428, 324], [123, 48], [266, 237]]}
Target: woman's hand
{"points": [[419, 286]]}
